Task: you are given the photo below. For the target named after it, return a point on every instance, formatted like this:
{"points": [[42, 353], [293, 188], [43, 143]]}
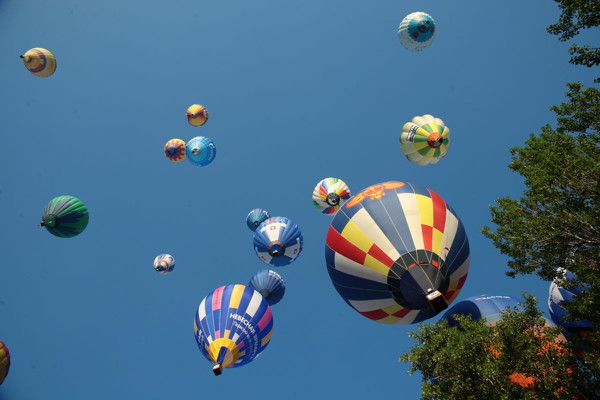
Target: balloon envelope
{"points": [[417, 31], [396, 250], [558, 313], [197, 115], [278, 241], [4, 361], [65, 216], [256, 217], [483, 306], [40, 62], [164, 263], [425, 139], [270, 284], [200, 151], [330, 194], [233, 325], [175, 150]]}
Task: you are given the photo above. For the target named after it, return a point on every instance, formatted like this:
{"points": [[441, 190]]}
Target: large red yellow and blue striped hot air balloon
{"points": [[4, 361], [40, 62], [425, 139], [233, 325], [397, 253]]}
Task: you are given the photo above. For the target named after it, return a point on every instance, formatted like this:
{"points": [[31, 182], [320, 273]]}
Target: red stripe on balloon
{"points": [[340, 244]]}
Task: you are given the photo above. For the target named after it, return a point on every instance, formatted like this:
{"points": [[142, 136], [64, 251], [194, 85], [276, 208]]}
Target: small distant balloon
{"points": [[425, 139], [40, 62], [164, 263], [197, 115], [4, 361], [278, 241], [269, 284], [200, 151], [65, 216], [330, 194], [256, 217], [175, 150], [417, 31]]}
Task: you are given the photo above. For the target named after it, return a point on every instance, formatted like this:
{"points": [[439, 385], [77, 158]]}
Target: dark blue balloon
{"points": [[270, 284]]}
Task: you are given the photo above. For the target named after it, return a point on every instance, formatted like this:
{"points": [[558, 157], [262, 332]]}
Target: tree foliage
{"points": [[556, 222], [518, 358], [577, 15]]}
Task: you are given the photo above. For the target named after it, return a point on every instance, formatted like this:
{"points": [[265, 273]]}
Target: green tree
{"points": [[575, 16], [556, 221], [518, 358]]}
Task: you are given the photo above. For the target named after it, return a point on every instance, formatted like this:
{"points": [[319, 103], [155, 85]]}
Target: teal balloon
{"points": [[200, 151]]}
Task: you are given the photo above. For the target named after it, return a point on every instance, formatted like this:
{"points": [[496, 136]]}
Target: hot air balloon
{"points": [[417, 31], [278, 241], [397, 253], [270, 284], [200, 151], [256, 217], [557, 294], [425, 140], [483, 306], [197, 115], [175, 150], [164, 263], [330, 194], [4, 361], [65, 216], [233, 326], [40, 62]]}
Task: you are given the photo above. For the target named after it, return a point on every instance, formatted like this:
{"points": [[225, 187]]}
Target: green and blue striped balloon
{"points": [[65, 216]]}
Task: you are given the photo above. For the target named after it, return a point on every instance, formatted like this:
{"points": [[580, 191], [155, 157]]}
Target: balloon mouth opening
{"points": [[435, 140], [50, 221], [196, 151], [161, 266], [333, 199], [276, 249]]}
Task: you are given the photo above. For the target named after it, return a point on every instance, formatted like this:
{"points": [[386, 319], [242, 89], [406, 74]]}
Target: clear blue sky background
{"points": [[297, 91]]}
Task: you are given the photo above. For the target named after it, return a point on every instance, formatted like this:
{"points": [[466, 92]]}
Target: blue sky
{"points": [[296, 91]]}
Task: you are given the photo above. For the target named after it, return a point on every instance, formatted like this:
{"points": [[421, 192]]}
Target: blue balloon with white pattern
{"points": [[200, 151], [278, 241], [417, 31]]}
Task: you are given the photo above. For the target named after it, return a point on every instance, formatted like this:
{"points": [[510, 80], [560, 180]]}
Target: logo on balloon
{"points": [[374, 192]]}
